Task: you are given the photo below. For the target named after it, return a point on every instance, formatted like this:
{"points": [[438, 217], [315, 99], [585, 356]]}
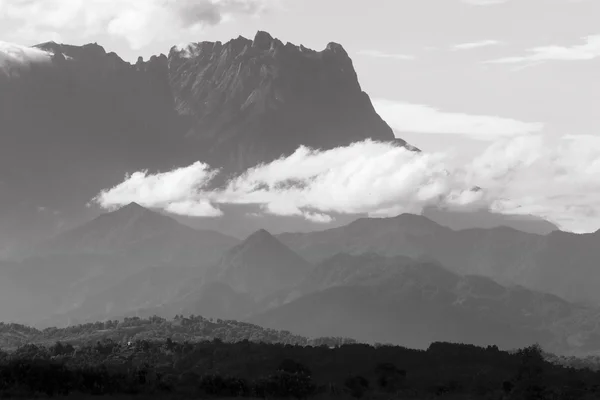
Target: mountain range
{"points": [[352, 281], [561, 263]]}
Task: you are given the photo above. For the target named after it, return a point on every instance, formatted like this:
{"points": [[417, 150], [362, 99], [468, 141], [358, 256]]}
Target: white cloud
{"points": [[380, 54], [583, 52], [551, 178], [168, 190], [193, 208], [15, 58], [417, 118], [476, 45], [140, 22]]}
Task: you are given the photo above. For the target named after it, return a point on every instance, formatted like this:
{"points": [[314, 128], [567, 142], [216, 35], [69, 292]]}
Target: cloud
{"points": [[589, 50], [15, 58], [140, 22], [476, 45], [380, 54], [417, 118], [167, 190], [554, 178]]}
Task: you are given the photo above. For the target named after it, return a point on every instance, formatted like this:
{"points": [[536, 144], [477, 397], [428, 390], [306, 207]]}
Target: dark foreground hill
{"points": [[270, 365]]}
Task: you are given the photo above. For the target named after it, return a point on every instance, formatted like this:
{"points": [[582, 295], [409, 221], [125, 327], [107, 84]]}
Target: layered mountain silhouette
{"points": [[561, 263], [413, 303], [228, 288], [367, 289], [84, 261]]}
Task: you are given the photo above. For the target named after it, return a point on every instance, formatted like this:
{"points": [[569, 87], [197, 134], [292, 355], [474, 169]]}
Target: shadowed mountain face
{"points": [[414, 303], [560, 263], [77, 124], [64, 270]]}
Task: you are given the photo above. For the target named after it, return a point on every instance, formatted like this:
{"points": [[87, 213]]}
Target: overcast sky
{"points": [[447, 75]]}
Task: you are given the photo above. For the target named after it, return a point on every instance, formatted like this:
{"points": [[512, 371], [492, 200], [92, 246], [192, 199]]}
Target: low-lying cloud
{"points": [[418, 118], [552, 178], [140, 22]]}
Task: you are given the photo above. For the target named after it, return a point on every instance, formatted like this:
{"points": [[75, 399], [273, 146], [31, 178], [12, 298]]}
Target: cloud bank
{"points": [[552, 178], [139, 22], [417, 118]]}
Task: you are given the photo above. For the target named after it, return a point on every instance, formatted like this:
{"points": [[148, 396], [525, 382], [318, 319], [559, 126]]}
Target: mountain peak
{"points": [[336, 48], [261, 265], [262, 40], [260, 237], [132, 210]]}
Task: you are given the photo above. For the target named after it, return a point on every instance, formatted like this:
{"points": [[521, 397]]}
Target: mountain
{"points": [[136, 231], [414, 303], [226, 287], [64, 270], [406, 234], [460, 220], [233, 105], [260, 266], [560, 263]]}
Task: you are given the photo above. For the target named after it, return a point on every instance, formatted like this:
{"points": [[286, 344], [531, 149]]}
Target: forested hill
{"points": [[131, 329]]}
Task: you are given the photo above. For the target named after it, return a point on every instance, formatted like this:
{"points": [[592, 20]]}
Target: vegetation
{"points": [[155, 366]]}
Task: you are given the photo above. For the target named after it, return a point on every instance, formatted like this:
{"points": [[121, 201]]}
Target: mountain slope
{"points": [[414, 303], [260, 266]]}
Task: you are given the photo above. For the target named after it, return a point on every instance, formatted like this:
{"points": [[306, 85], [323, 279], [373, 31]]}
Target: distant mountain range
{"points": [[561, 263], [404, 280]]}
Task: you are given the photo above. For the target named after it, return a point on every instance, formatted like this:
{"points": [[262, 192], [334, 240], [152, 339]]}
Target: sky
{"points": [[507, 88]]}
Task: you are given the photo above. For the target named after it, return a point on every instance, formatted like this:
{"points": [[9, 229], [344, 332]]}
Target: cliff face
{"points": [[250, 101], [233, 105]]}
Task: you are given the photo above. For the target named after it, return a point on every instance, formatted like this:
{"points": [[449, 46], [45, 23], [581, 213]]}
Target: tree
{"points": [[389, 377], [357, 386]]}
